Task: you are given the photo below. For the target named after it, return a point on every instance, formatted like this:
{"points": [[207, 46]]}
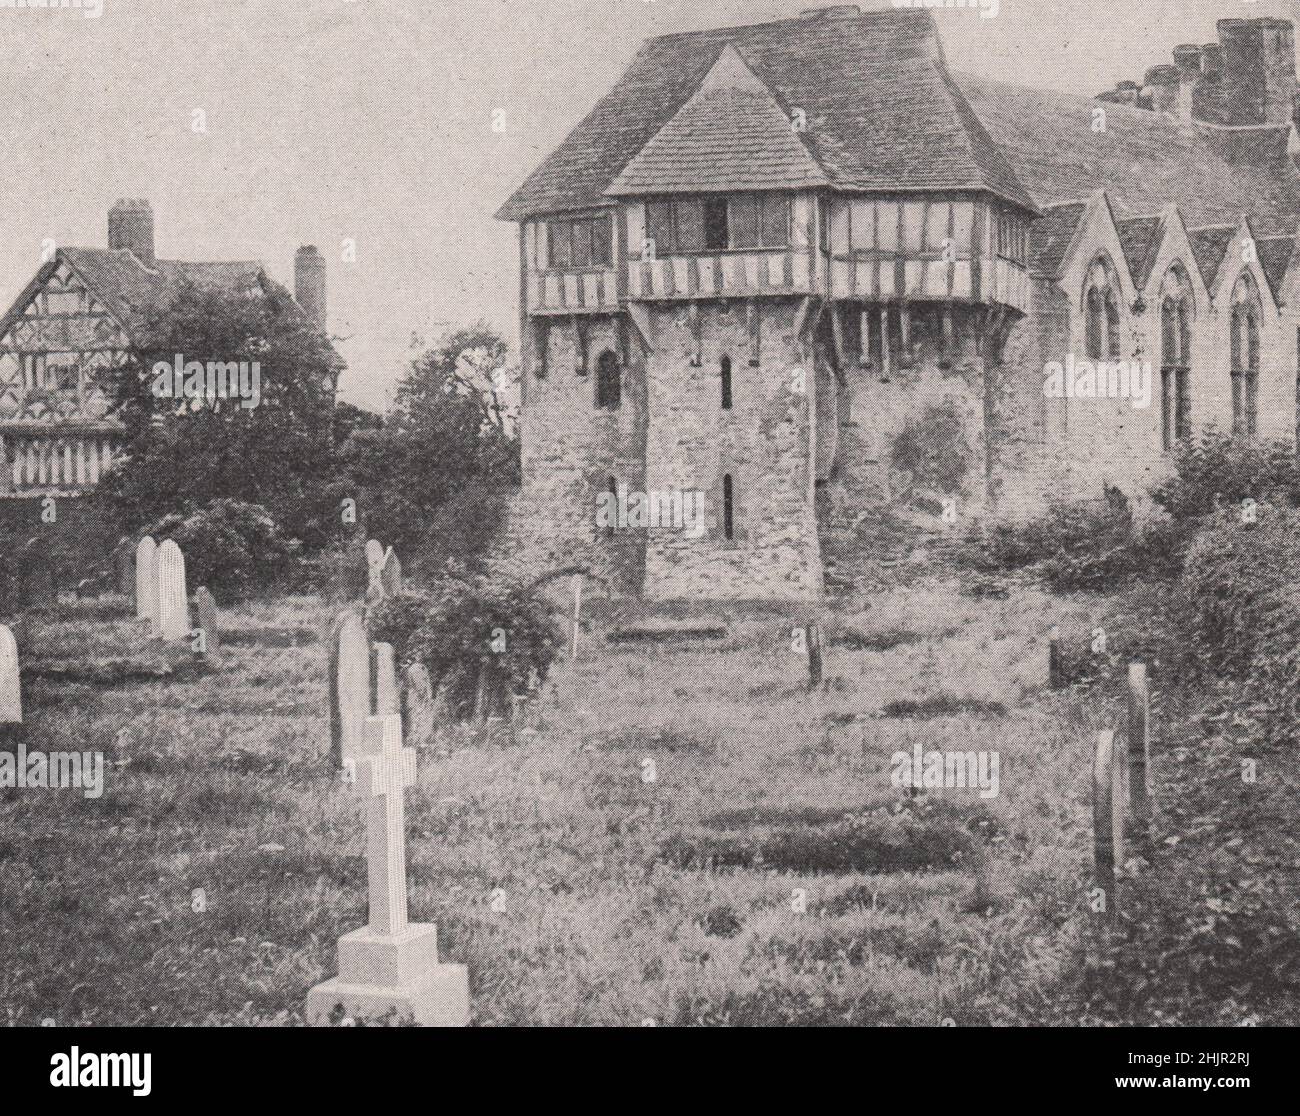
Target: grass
{"points": [[760, 869]]}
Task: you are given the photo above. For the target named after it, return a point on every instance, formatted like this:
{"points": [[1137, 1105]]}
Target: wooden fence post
{"points": [[1139, 751]]}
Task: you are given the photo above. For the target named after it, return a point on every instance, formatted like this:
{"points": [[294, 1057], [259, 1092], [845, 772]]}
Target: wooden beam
{"points": [[886, 357], [640, 318], [864, 340], [753, 322], [697, 336], [837, 332], [905, 335], [579, 325]]}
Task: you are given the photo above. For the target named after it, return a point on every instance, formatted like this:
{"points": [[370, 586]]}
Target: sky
{"points": [[370, 123]]}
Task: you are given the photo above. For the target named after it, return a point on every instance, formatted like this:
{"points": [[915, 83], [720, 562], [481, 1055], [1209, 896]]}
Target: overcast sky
{"points": [[371, 120]]}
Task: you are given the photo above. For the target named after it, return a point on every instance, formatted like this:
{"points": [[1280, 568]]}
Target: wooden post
{"points": [[577, 616], [1108, 772], [1139, 750], [1055, 669], [813, 640]]}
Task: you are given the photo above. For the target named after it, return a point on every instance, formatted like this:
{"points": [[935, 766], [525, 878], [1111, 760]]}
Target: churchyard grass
{"points": [[678, 833]]}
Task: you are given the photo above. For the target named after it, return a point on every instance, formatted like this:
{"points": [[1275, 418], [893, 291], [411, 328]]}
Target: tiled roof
{"points": [[1143, 160], [1274, 259], [882, 112], [731, 135], [1209, 245], [1138, 238], [1050, 236]]}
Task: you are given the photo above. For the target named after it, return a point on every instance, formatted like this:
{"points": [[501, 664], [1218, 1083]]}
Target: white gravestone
{"points": [[146, 582], [375, 566], [390, 967], [390, 574], [11, 697], [350, 687], [173, 601]]}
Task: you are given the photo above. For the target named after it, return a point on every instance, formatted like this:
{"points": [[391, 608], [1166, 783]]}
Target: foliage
{"points": [[932, 450], [1217, 470], [233, 548], [468, 627], [185, 454]]}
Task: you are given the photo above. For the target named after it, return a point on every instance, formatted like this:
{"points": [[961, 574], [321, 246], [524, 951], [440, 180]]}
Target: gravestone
{"points": [[417, 706], [11, 698], [349, 686], [173, 601], [205, 608], [390, 574], [375, 568], [146, 583], [1109, 799], [390, 967], [124, 569], [387, 699], [40, 575]]}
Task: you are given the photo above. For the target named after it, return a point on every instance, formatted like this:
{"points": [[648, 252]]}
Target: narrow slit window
{"points": [[726, 383], [728, 509]]}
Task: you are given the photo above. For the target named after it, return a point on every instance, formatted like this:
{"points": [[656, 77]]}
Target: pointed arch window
{"points": [[609, 382], [1101, 311], [1176, 312], [1245, 355]]}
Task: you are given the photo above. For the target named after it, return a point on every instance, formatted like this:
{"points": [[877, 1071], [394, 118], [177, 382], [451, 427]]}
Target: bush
{"points": [[1218, 470], [932, 450], [233, 548], [477, 637]]}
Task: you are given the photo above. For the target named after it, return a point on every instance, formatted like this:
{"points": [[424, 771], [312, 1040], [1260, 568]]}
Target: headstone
{"points": [[1139, 750], [417, 706], [40, 575], [205, 608], [390, 968], [173, 601], [387, 699], [11, 698], [146, 582], [349, 686], [375, 566], [1109, 790], [124, 569], [390, 574]]}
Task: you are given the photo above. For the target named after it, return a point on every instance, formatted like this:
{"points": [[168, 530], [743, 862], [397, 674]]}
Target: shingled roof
{"points": [[882, 112]]}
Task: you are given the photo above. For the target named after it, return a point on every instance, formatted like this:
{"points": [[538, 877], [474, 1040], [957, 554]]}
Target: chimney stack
{"points": [[1211, 59], [130, 229], [1162, 85], [309, 284], [1258, 70]]}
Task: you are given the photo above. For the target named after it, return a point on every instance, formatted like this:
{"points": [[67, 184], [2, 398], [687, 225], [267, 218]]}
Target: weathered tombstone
{"points": [[375, 567], [349, 686], [417, 706], [1108, 798], [205, 608], [173, 601], [1139, 751], [390, 967], [146, 582], [387, 698], [813, 642], [11, 698], [390, 574], [124, 569], [40, 575]]}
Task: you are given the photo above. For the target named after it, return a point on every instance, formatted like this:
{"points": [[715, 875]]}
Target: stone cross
{"points": [[206, 609], [11, 698], [390, 574], [375, 564], [173, 602], [146, 582], [349, 686], [383, 775]]}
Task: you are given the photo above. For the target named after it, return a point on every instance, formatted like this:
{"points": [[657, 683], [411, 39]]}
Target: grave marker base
{"points": [[393, 974]]}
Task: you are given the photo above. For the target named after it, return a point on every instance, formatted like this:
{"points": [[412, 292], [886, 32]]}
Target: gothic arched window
{"points": [[1101, 311], [609, 382], [1177, 308], [1245, 355]]}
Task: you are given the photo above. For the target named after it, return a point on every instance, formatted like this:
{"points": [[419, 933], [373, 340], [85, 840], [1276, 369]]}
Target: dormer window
{"points": [[581, 242], [718, 224], [1245, 355]]}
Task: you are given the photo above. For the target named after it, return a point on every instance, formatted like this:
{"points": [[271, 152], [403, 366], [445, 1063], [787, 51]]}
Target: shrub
{"points": [[232, 547], [932, 450], [479, 639], [1217, 470]]}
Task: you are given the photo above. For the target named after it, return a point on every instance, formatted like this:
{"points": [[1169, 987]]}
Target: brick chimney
{"points": [[1162, 84], [1258, 71], [130, 229], [309, 284]]}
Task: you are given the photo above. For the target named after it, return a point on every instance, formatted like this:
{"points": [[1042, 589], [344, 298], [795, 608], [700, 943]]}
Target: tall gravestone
{"points": [[390, 574], [11, 698], [173, 601], [146, 583], [390, 967], [205, 609], [417, 706], [349, 686], [375, 569]]}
